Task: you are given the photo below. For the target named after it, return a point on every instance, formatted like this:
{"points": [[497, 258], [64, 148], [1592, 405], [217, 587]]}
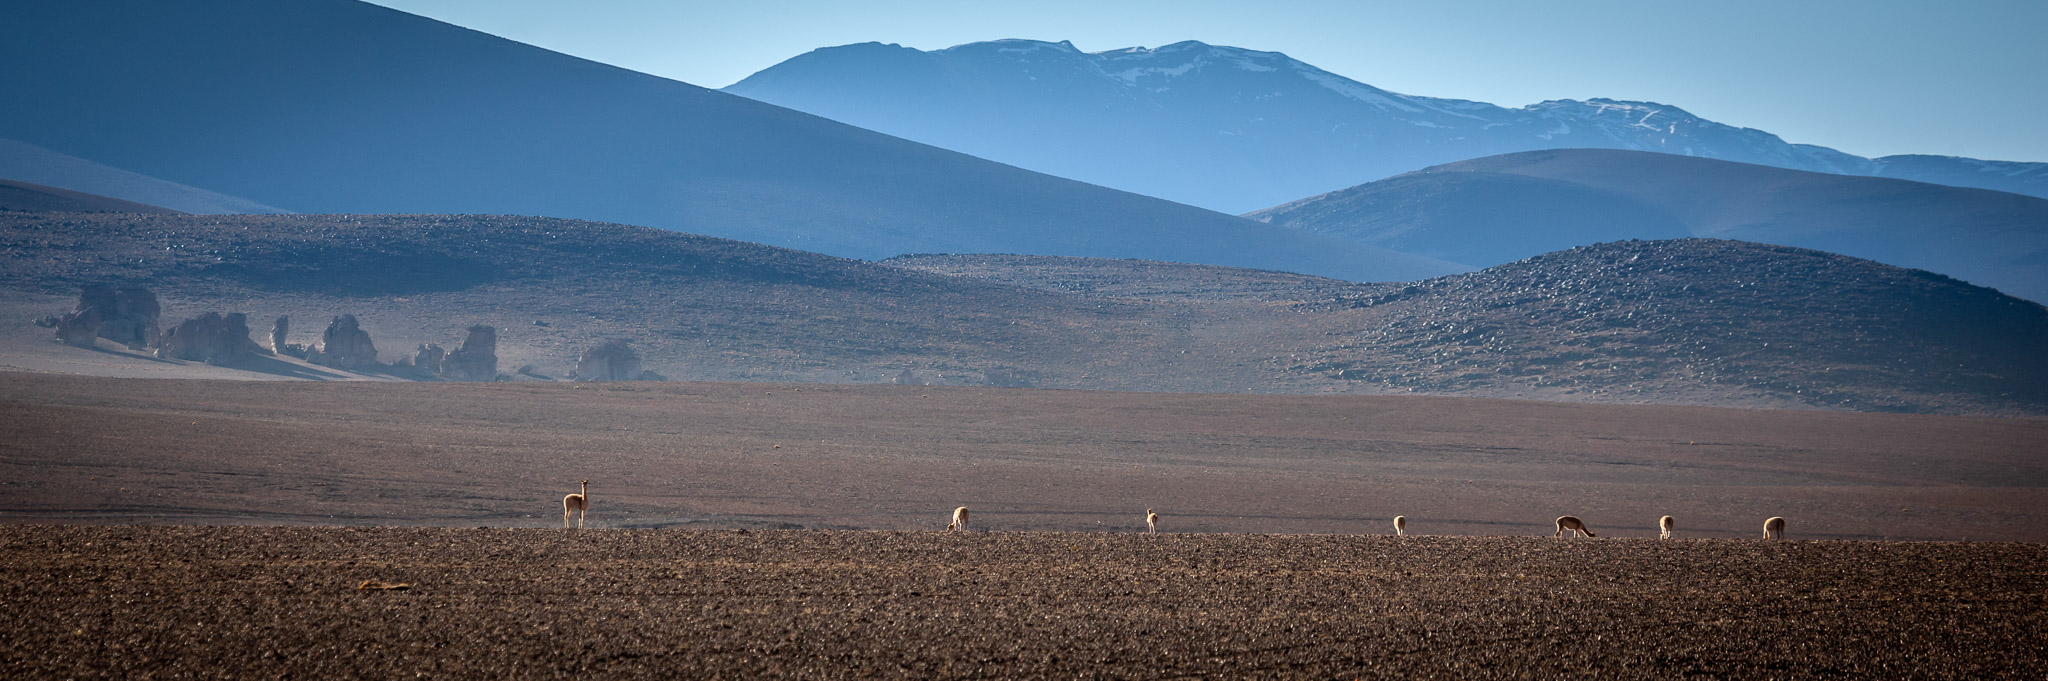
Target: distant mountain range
{"points": [[1238, 130], [338, 106], [1499, 209]]}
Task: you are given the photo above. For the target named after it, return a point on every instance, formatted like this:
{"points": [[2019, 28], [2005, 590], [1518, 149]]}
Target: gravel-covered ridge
{"points": [[277, 602]]}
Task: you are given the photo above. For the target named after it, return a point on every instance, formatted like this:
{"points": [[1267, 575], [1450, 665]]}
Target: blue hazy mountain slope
{"points": [[1238, 130], [30, 163], [1498, 209], [336, 106], [16, 195]]}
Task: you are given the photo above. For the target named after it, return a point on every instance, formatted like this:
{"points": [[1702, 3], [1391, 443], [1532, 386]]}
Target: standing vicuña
{"points": [[1400, 525], [1565, 522], [1664, 524], [959, 520], [1774, 528], [580, 503], [1151, 521]]}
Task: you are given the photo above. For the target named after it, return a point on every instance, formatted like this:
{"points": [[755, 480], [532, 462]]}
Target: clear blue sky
{"points": [[1869, 77]]}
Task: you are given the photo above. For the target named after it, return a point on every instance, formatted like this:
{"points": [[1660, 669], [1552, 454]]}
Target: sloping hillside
{"points": [[30, 163], [24, 196], [338, 106], [693, 306], [1686, 321], [1699, 319], [1141, 279], [1499, 209], [1238, 129]]}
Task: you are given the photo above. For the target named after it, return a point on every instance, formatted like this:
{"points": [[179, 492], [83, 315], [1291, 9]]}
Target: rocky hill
{"points": [[1691, 321], [693, 307], [1499, 209], [1705, 319], [1237, 129]]}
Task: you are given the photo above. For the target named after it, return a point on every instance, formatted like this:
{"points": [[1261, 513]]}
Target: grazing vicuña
{"points": [[959, 520]]}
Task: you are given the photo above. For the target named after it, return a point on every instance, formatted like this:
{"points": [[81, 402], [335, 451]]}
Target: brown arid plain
{"points": [[766, 455], [759, 529], [750, 529], [286, 602], [161, 522]]}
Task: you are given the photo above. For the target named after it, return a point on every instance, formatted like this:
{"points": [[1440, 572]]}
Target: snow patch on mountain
{"points": [[1019, 46], [1236, 130], [1355, 90], [1131, 76]]}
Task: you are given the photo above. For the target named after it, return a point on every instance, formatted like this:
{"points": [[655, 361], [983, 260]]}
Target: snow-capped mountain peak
{"points": [[1238, 129]]}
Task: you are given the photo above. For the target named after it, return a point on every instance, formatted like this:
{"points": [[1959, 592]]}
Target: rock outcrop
{"points": [[426, 359], [210, 338], [279, 332], [344, 345], [77, 327], [612, 361], [476, 360], [127, 315]]}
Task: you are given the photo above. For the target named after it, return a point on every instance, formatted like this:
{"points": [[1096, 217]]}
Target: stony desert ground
{"points": [[195, 528], [284, 602], [761, 455]]}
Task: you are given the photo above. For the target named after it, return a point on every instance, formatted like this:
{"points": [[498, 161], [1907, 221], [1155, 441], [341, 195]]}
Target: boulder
{"points": [[77, 327], [344, 345], [279, 331], [611, 361], [476, 360], [127, 315], [209, 338], [427, 358]]}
